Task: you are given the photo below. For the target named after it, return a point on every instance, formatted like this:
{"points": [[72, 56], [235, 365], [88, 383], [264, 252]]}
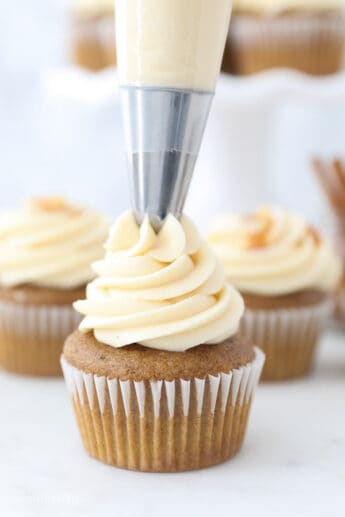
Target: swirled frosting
{"points": [[165, 291], [50, 243], [274, 252], [276, 6]]}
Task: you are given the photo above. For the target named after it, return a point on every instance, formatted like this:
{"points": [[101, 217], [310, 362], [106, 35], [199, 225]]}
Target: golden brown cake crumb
{"points": [[138, 363], [288, 301]]}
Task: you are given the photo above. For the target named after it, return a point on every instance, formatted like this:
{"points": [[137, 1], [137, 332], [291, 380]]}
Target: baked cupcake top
{"points": [[278, 6], [273, 252], [50, 242], [165, 291]]}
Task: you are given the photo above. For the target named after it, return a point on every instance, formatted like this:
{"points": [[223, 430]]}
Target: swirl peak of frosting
{"points": [[274, 252], [50, 242], [165, 291]]}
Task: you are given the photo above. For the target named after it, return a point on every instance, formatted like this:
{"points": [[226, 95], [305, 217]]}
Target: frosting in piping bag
{"points": [[273, 253], [173, 44], [165, 291], [50, 243]]}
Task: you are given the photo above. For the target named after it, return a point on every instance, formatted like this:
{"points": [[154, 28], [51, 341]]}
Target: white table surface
{"points": [[292, 463]]}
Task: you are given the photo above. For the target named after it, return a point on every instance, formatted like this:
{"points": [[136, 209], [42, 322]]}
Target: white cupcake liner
{"points": [[287, 336], [239, 384], [32, 336], [163, 426]]}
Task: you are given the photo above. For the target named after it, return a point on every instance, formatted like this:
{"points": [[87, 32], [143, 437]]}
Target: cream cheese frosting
{"points": [[171, 43], [274, 252], [50, 242], [276, 6], [165, 291]]}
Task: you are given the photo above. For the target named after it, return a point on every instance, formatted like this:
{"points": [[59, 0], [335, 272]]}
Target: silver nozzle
{"points": [[164, 130]]}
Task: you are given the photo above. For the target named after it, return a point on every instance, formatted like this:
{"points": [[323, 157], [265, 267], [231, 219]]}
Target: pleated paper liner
{"points": [[163, 426], [288, 338], [32, 337], [311, 44]]}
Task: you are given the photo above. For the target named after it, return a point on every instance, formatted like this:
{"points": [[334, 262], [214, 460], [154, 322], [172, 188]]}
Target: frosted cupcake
{"points": [[158, 380], [46, 248], [93, 34], [287, 274], [307, 35]]}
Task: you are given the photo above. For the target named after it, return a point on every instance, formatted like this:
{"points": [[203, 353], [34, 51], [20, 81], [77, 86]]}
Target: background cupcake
{"points": [[157, 379], [93, 34], [331, 176], [286, 273], [46, 248], [306, 35]]}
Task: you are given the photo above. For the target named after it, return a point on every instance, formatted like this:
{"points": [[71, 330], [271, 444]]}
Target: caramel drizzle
{"points": [[53, 204], [260, 237]]}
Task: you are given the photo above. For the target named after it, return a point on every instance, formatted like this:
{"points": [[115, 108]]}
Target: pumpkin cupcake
{"points": [[158, 380], [307, 35], [286, 273], [46, 248]]}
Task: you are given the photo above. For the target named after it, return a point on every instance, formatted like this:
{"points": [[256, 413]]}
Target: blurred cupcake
{"points": [[158, 380], [46, 249], [307, 35], [93, 34], [331, 176], [286, 273]]}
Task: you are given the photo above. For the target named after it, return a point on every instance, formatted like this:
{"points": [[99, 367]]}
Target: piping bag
{"points": [[169, 58]]}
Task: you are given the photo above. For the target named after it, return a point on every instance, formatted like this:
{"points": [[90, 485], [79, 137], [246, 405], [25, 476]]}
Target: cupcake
{"points": [[331, 176], [286, 273], [307, 35], [93, 34], [46, 248], [158, 379]]}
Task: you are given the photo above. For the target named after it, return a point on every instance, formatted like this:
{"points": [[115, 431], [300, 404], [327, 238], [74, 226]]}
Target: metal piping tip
{"points": [[164, 130]]}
